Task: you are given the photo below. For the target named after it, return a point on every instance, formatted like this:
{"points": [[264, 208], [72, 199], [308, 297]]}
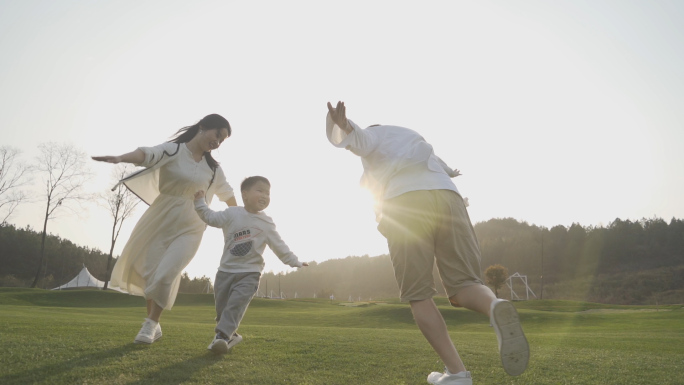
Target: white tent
{"points": [[82, 280]]}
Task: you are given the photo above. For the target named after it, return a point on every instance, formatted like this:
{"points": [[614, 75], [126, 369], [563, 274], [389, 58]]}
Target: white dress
{"points": [[168, 234]]}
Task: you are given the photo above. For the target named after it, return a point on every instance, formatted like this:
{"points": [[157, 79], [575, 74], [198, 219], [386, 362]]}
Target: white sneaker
{"points": [[157, 332], [513, 346], [446, 378], [220, 344], [149, 332], [235, 340]]}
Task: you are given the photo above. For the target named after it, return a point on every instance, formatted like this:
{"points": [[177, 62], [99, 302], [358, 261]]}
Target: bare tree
{"points": [[65, 170], [121, 203], [13, 176]]}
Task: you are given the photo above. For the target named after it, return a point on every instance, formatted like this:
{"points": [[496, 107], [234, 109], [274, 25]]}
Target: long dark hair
{"points": [[209, 122]]}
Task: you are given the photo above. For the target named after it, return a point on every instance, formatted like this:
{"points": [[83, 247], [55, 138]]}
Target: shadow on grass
{"points": [[71, 370], [178, 372], [57, 369]]}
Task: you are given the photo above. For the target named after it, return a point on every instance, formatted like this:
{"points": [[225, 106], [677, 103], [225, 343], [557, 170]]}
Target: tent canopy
{"points": [[82, 280]]}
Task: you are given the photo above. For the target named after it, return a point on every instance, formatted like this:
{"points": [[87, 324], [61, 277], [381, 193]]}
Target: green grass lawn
{"points": [[85, 337]]}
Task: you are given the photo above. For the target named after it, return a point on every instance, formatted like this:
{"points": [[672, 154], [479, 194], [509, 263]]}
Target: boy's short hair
{"points": [[251, 181]]}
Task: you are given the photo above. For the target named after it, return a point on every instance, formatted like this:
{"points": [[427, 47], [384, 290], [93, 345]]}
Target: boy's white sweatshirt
{"points": [[246, 236]]}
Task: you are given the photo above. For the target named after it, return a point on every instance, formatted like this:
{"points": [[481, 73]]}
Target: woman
{"points": [[168, 234]]}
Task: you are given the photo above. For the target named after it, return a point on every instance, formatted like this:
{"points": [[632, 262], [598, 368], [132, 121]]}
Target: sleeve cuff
{"points": [[336, 135]]}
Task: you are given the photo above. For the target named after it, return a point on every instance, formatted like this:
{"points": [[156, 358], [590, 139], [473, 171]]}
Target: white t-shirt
{"points": [[396, 160]]}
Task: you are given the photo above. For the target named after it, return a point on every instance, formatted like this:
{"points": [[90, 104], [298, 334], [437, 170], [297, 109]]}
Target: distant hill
{"points": [[640, 262], [626, 262]]}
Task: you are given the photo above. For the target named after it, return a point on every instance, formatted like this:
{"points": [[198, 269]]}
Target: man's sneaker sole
{"points": [[513, 346]]}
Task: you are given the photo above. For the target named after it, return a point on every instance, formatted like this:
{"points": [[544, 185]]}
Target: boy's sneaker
{"points": [[221, 344], [446, 378], [235, 340], [149, 332], [513, 346]]}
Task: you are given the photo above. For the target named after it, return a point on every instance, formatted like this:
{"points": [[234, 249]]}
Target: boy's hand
{"points": [[199, 194], [304, 264]]}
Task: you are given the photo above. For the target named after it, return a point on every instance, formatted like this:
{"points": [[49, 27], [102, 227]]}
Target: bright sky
{"points": [[555, 112]]}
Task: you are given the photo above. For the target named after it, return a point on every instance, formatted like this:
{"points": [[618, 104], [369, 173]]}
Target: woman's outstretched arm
{"points": [[135, 157]]}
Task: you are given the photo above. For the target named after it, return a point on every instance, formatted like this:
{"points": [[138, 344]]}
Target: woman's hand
{"points": [[107, 159], [135, 157]]}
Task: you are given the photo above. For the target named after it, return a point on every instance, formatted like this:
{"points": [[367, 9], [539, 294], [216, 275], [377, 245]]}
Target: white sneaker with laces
{"points": [[149, 332], [220, 344], [513, 346], [446, 378], [235, 340]]}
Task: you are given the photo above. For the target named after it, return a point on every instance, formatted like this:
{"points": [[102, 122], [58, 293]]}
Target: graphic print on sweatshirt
{"points": [[243, 241]]}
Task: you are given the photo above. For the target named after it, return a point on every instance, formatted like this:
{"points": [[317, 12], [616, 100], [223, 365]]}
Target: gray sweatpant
{"points": [[232, 294]]}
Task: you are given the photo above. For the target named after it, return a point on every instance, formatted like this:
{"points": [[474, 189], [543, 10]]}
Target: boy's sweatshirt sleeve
{"points": [[210, 217], [280, 249]]}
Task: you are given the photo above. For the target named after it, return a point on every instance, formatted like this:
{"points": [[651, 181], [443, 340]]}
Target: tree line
{"points": [[624, 262], [561, 253], [20, 257]]}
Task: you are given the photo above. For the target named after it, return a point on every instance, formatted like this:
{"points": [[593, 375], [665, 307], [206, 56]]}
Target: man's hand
{"points": [[339, 116]]}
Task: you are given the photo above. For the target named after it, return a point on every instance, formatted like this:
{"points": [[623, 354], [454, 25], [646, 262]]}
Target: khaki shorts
{"points": [[424, 226]]}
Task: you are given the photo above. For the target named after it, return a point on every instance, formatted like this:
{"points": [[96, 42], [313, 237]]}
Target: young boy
{"points": [[247, 231]]}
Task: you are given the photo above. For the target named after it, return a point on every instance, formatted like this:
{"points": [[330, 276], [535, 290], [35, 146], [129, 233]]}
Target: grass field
{"points": [[85, 337]]}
